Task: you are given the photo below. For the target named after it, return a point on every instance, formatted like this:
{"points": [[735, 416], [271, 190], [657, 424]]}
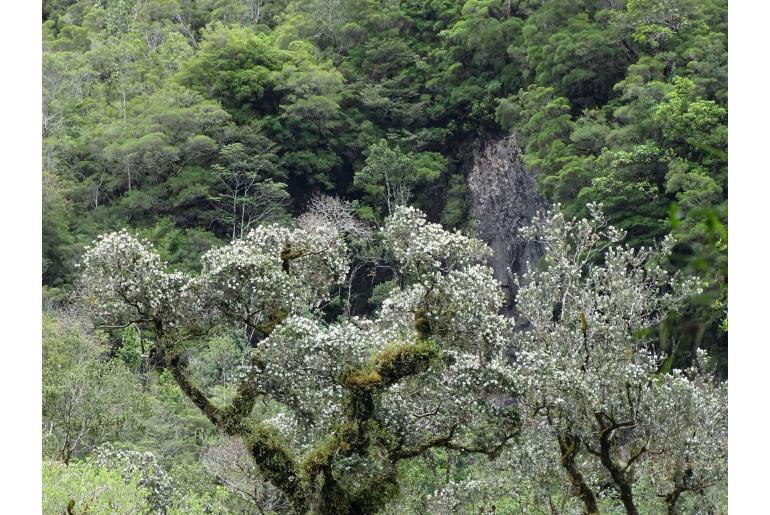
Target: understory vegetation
{"points": [[263, 287]]}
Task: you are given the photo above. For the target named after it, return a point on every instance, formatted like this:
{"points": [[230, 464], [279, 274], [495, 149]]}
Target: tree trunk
{"points": [[671, 500], [615, 470], [569, 446]]}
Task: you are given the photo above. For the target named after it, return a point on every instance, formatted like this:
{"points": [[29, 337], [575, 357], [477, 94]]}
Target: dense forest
{"points": [[268, 281]]}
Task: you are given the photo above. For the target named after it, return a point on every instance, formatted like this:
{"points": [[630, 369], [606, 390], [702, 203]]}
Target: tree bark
{"points": [[569, 446], [616, 472], [671, 500]]}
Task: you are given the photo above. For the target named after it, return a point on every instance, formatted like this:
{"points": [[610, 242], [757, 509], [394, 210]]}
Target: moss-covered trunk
{"points": [[352, 470]]}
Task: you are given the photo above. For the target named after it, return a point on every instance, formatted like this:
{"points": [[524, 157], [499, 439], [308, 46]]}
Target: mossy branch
{"points": [[192, 391], [491, 450], [390, 366], [230, 419], [394, 364], [288, 255], [334, 444], [440, 441], [273, 458], [277, 464]]}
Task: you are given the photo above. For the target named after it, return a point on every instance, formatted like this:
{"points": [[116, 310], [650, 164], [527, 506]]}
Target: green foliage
{"points": [[389, 176], [130, 351], [194, 503], [687, 119], [84, 488], [236, 66], [218, 363], [291, 96], [691, 184], [572, 47], [176, 430], [246, 195], [380, 293], [181, 247], [57, 238], [87, 400], [544, 121]]}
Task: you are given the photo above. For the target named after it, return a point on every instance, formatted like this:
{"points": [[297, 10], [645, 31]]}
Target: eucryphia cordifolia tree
{"points": [[360, 394], [598, 400]]}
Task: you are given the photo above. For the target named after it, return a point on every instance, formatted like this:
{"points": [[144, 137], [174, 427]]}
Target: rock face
{"points": [[504, 199]]}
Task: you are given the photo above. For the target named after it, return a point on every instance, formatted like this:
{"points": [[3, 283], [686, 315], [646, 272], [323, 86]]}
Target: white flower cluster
{"points": [[302, 361], [144, 465], [458, 301], [461, 307], [689, 414], [274, 270], [245, 283], [472, 495], [423, 247], [125, 280]]}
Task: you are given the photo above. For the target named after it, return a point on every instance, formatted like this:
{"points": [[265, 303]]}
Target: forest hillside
{"points": [[379, 256]]}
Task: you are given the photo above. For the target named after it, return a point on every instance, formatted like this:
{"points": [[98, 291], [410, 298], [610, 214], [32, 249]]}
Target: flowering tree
{"points": [[359, 395], [598, 402], [690, 421]]}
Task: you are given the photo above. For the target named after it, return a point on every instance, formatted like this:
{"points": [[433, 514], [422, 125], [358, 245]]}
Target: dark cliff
{"points": [[504, 199]]}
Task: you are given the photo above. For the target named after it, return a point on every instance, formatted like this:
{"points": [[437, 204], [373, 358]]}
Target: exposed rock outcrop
{"points": [[504, 199]]}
